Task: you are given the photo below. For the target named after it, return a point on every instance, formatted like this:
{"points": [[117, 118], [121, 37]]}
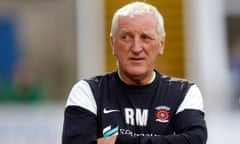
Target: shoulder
{"points": [[175, 83], [97, 82], [185, 93], [99, 79]]}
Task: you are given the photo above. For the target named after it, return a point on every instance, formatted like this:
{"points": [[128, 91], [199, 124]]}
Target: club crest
{"points": [[162, 114]]}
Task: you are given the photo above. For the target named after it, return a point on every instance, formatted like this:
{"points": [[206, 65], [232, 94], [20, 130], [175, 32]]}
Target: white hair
{"points": [[135, 9]]}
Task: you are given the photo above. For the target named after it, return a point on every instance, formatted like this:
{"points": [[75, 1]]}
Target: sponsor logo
{"points": [[132, 133], [107, 111], [162, 114], [108, 131]]}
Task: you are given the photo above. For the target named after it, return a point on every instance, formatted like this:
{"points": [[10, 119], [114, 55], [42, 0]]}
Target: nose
{"points": [[136, 47]]}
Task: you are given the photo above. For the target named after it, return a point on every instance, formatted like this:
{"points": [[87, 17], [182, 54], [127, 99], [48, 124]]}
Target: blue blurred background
{"points": [[47, 46]]}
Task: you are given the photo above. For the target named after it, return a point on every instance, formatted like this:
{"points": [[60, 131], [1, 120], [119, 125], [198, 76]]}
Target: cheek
{"points": [[152, 49], [116, 50], [154, 56], [121, 49], [153, 52]]}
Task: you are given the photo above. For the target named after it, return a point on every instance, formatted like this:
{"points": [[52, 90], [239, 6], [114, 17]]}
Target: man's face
{"points": [[137, 45]]}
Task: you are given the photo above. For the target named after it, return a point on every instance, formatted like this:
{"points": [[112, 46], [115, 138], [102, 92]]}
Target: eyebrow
{"points": [[143, 32], [125, 31]]}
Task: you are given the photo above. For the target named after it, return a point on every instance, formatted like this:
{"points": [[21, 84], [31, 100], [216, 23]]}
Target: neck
{"points": [[136, 81]]}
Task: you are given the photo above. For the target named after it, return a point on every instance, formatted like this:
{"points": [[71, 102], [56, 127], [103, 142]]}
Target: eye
{"points": [[126, 37], [146, 37]]}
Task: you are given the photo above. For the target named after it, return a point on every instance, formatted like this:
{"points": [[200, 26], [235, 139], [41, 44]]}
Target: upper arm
{"points": [[81, 95], [190, 115], [80, 123], [193, 100]]}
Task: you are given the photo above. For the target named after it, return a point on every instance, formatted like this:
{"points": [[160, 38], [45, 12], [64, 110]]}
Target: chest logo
{"points": [[107, 111], [136, 117], [162, 114]]}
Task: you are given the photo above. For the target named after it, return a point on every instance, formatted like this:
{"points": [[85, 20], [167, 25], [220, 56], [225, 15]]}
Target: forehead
{"points": [[143, 22]]}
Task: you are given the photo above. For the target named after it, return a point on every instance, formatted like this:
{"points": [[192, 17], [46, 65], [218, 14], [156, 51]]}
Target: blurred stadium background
{"points": [[46, 46]]}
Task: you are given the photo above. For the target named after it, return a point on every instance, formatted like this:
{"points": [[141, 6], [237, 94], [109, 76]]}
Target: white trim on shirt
{"points": [[81, 95], [193, 100]]}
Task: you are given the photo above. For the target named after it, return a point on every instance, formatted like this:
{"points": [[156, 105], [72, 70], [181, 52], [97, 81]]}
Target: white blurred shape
{"points": [[90, 38]]}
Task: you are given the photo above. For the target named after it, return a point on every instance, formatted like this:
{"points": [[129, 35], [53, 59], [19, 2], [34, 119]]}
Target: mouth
{"points": [[136, 60]]}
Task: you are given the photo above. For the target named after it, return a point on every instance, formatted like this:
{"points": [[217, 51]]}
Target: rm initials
{"points": [[136, 116]]}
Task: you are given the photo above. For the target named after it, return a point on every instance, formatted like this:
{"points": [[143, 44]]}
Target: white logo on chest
{"points": [[107, 111], [136, 116]]}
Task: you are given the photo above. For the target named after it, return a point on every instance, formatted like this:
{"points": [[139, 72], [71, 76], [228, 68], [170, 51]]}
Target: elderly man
{"points": [[135, 104]]}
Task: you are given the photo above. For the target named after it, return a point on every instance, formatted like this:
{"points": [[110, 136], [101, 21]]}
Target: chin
{"points": [[136, 71]]}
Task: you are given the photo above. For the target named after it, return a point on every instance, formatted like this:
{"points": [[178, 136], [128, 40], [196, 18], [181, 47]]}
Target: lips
{"points": [[136, 60]]}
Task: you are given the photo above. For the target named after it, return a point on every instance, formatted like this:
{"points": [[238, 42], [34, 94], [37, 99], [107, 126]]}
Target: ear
{"points": [[161, 46], [112, 45]]}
